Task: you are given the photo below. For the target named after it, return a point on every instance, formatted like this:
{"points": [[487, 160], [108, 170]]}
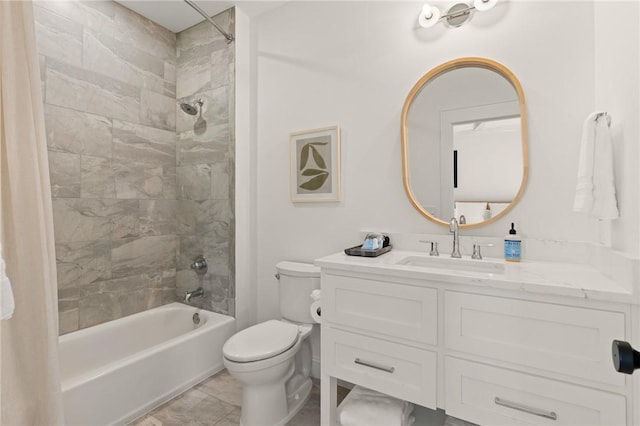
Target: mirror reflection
{"points": [[464, 147]]}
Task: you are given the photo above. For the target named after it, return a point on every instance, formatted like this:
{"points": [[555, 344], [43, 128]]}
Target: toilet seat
{"points": [[261, 341]]}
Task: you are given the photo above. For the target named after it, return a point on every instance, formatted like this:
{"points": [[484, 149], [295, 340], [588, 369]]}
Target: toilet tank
{"points": [[296, 282]]}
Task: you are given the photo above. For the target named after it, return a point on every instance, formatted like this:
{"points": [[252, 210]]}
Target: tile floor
{"points": [[216, 402]]}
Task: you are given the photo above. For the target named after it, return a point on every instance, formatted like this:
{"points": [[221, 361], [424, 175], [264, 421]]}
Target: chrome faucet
{"points": [[476, 252], [199, 292], [453, 228], [434, 247]]}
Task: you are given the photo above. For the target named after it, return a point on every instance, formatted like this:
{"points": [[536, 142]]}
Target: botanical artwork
{"points": [[315, 165]]}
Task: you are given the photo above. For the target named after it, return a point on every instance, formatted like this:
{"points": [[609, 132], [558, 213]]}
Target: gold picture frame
{"points": [[315, 165]]}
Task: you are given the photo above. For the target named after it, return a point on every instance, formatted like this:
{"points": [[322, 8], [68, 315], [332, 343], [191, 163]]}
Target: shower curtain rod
{"points": [[197, 8]]}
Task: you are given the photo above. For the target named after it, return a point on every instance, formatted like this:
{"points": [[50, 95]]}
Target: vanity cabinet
{"points": [[541, 342], [373, 325], [489, 395], [405, 372], [559, 339], [400, 312], [487, 356]]}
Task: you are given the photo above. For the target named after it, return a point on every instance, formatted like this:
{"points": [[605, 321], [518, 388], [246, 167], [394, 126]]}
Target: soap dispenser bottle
{"points": [[512, 246]]}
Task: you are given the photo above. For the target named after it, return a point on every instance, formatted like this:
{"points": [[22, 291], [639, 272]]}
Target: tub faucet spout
{"points": [[195, 293]]}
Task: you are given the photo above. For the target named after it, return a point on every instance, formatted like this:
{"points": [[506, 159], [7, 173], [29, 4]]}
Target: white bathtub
{"points": [[114, 372]]}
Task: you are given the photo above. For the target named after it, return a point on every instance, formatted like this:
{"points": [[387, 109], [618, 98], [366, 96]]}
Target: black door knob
{"points": [[625, 358]]}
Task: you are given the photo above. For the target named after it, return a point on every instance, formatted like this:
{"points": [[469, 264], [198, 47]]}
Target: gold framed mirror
{"points": [[463, 132]]}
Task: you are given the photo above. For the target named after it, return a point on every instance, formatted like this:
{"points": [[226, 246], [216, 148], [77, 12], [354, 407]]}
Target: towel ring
{"points": [[604, 114]]}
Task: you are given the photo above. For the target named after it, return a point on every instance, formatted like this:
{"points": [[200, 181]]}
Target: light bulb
{"points": [[426, 11], [483, 5], [429, 16]]}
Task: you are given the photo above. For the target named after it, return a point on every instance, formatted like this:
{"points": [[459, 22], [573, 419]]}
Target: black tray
{"points": [[359, 251]]}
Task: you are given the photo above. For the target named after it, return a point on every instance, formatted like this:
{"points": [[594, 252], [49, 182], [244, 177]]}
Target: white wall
{"points": [[617, 85], [353, 63], [245, 163]]}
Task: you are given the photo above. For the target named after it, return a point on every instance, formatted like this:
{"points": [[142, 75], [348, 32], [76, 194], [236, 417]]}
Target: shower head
{"points": [[191, 108]]}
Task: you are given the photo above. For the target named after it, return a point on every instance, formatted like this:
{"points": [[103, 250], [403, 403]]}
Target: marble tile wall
{"points": [[110, 108], [205, 163], [139, 188]]}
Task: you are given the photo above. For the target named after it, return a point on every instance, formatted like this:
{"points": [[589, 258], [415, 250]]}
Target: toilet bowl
{"points": [[272, 359], [265, 369]]}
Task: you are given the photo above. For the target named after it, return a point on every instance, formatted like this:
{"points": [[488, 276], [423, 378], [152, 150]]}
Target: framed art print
{"points": [[315, 165]]}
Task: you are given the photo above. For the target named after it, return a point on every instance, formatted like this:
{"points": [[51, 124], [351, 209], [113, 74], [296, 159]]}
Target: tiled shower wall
{"points": [[206, 147], [109, 84]]}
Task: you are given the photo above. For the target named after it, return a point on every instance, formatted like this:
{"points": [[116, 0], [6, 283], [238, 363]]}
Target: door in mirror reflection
{"points": [[487, 167]]}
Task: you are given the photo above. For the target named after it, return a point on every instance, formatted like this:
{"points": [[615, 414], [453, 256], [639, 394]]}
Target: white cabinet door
{"points": [[401, 311], [493, 396], [397, 370], [562, 339]]}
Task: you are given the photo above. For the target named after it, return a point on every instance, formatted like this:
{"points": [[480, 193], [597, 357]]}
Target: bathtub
{"points": [[115, 372]]}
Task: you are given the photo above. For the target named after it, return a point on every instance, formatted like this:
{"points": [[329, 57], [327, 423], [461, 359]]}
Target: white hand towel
{"points": [[605, 205], [583, 200], [595, 190], [366, 407], [7, 304]]}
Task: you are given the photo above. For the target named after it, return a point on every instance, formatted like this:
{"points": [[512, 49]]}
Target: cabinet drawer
{"points": [[394, 369], [488, 395], [397, 310], [563, 339]]}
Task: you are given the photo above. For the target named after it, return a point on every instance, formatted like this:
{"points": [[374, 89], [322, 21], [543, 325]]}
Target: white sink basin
{"points": [[484, 266]]}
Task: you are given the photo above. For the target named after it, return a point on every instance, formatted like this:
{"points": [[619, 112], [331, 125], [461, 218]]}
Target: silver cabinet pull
{"points": [[374, 365], [527, 409]]}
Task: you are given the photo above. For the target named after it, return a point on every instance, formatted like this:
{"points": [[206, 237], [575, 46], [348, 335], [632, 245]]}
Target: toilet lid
{"points": [[261, 341]]}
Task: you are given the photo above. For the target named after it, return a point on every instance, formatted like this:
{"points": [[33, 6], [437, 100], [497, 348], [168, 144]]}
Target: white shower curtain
{"points": [[29, 373]]}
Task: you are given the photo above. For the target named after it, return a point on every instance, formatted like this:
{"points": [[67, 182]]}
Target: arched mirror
{"points": [[464, 142]]}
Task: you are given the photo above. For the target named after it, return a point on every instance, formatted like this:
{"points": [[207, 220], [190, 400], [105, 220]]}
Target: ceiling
{"points": [[176, 15]]}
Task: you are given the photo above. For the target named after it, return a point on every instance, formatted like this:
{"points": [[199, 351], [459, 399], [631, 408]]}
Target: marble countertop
{"points": [[541, 277]]}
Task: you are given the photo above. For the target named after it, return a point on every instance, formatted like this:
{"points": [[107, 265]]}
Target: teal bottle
{"points": [[512, 246]]}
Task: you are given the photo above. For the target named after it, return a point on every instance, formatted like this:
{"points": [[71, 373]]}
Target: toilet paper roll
{"points": [[315, 311]]}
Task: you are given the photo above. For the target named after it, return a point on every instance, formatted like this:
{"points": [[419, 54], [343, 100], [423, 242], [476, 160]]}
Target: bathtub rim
{"points": [[73, 382]]}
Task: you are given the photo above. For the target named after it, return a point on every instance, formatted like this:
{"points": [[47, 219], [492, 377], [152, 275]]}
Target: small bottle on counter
{"points": [[512, 246], [486, 214]]}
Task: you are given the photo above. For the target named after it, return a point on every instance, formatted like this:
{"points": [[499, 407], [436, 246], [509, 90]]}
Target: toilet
{"points": [[272, 359]]}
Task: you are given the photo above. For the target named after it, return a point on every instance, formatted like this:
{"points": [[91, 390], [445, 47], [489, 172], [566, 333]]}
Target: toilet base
{"points": [[298, 390], [298, 393]]}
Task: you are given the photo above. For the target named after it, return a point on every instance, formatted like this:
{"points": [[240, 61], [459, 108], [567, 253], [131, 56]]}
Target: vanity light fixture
{"points": [[457, 15], [429, 17]]}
